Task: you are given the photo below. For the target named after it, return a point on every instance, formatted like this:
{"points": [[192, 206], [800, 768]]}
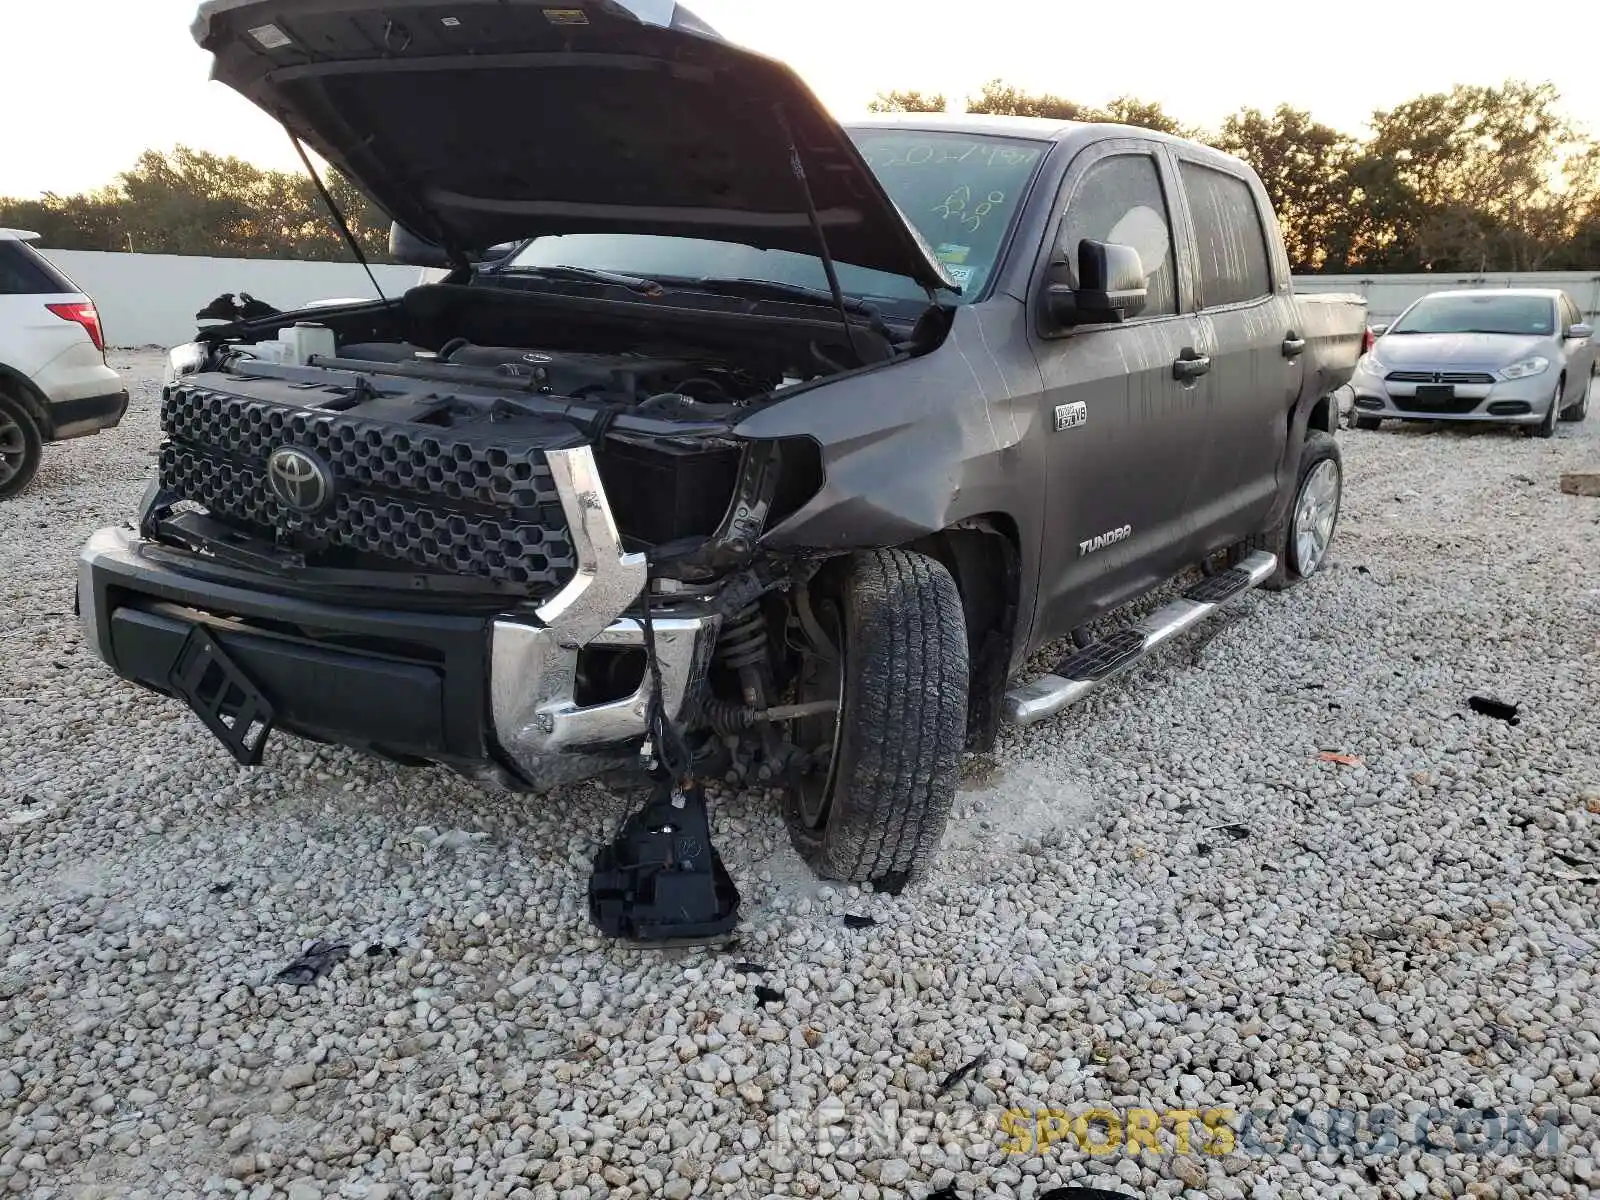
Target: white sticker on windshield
{"points": [[270, 37], [961, 275], [651, 12]]}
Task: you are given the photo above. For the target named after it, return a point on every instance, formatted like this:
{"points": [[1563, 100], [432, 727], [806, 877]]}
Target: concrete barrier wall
{"points": [[151, 299]]}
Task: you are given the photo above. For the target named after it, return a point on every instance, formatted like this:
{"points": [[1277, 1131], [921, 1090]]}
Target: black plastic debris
{"points": [[661, 880], [1363, 570], [220, 889], [1498, 709], [1570, 860], [955, 1077], [315, 962], [1078, 1193], [1202, 849], [766, 995], [749, 968], [1237, 832], [377, 951], [852, 921]]}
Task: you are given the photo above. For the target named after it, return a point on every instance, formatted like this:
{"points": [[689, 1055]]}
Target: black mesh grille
{"points": [[415, 497]]}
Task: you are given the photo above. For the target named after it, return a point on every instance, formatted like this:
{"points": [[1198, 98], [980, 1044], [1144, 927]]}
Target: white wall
{"points": [[1388, 295], [151, 299]]}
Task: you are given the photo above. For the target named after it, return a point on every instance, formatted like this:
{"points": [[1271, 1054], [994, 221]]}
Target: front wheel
{"points": [[1580, 410], [1547, 427], [877, 813], [21, 446]]}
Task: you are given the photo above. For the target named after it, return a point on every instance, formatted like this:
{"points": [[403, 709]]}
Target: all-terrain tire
{"points": [[21, 446], [904, 721], [1367, 423], [1319, 447]]}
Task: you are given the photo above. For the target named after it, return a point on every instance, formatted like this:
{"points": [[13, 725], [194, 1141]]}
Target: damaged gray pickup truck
{"points": [[787, 442]]}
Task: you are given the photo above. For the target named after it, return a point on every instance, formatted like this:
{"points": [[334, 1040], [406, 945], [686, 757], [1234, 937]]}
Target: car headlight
{"points": [[1369, 364], [186, 359], [1525, 367]]}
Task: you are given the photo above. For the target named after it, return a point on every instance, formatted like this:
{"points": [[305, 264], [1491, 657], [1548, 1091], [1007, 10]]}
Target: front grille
{"points": [[402, 495], [1468, 377]]}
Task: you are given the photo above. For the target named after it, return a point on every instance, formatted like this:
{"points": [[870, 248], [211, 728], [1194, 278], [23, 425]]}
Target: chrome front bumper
{"points": [[533, 667], [535, 726]]}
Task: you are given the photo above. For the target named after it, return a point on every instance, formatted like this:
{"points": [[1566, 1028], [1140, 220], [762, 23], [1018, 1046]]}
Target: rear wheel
{"points": [[1301, 539], [877, 812], [21, 446]]}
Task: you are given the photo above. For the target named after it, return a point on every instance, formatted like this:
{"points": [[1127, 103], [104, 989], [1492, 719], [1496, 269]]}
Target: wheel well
{"points": [[21, 390], [1324, 415], [981, 555]]}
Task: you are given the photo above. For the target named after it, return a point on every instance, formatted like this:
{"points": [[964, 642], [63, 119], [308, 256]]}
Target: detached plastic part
{"points": [[661, 880]]}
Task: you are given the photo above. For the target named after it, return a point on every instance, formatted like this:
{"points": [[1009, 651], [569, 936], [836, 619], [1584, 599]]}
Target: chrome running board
{"points": [[1081, 673]]}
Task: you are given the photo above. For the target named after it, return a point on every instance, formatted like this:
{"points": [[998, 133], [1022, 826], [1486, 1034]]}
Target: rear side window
{"points": [[1120, 200], [1230, 240], [26, 272]]}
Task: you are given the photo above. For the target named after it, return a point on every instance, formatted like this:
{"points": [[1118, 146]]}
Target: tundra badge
{"points": [[1070, 416], [1105, 539]]}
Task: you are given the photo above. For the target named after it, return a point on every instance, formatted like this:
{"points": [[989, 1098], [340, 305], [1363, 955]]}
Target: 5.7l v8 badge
{"points": [[1070, 416]]}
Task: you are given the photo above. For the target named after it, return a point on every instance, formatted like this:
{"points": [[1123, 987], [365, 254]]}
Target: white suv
{"points": [[54, 382]]}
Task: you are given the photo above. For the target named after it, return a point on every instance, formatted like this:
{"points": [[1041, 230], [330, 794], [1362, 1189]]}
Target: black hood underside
{"points": [[488, 121]]}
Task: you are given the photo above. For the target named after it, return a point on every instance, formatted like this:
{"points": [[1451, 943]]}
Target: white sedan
{"points": [[1516, 356]]}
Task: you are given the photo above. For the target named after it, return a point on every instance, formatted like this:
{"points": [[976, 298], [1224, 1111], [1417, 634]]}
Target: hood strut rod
{"points": [[333, 210], [798, 167]]}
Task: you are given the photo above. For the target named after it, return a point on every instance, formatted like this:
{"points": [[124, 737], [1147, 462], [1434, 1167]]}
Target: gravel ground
{"points": [[1165, 899]]}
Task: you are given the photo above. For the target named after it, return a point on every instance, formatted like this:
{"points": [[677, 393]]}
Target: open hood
{"points": [[477, 122]]}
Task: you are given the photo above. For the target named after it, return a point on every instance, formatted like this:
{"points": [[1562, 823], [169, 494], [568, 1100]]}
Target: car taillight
{"points": [[1367, 341], [85, 315]]}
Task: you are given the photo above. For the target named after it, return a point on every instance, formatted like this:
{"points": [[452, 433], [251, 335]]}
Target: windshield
{"points": [[961, 193], [1517, 315]]}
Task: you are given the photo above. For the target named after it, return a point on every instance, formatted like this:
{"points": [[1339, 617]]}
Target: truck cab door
{"points": [[1244, 302], [1123, 403]]}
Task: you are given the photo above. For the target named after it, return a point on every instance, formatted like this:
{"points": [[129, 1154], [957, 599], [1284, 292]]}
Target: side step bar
{"points": [[1081, 673]]}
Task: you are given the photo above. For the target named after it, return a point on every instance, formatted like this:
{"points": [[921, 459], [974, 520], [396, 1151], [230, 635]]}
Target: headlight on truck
{"points": [[185, 359], [1525, 368]]}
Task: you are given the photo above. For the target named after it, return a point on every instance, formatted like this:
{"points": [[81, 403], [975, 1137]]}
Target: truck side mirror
{"points": [[1111, 286]]}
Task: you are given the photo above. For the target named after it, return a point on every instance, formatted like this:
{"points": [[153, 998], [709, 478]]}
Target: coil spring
{"points": [[743, 642]]}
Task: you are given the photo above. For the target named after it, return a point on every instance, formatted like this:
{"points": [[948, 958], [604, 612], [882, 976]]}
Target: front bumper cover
{"points": [[495, 694], [1513, 401]]}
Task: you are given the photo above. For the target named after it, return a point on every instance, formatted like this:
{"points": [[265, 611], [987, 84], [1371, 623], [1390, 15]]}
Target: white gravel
{"points": [[1415, 931]]}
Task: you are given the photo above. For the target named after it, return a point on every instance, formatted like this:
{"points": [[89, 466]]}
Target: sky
{"points": [[88, 84]]}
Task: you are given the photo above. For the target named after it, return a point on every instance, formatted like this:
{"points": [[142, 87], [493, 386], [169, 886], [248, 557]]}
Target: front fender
{"points": [[913, 448]]}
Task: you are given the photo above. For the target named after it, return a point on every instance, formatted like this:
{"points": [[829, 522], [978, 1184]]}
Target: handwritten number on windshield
{"points": [[955, 207]]}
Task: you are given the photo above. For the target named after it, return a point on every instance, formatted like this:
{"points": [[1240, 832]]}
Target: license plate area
{"points": [[1436, 392], [222, 696]]}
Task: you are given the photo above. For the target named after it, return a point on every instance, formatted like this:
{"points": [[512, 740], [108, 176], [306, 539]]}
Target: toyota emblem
{"points": [[298, 480]]}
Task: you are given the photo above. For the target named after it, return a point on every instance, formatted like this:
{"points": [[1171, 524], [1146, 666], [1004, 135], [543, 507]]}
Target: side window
{"points": [[1230, 241], [23, 272], [1120, 200]]}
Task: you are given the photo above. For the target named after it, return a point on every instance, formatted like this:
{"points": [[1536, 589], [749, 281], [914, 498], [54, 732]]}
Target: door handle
{"points": [[1294, 345], [1189, 365]]}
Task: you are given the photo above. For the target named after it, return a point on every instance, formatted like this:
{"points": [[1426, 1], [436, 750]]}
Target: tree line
{"points": [[1472, 180]]}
